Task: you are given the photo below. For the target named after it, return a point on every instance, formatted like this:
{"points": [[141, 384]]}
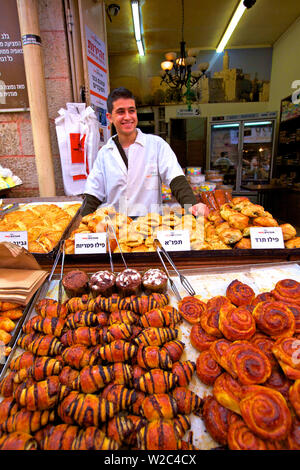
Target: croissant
{"points": [[152, 357], [86, 318], [45, 345], [78, 356], [167, 316], [158, 435], [84, 302], [71, 437], [53, 309], [42, 367], [117, 351], [156, 336], [174, 348], [17, 441], [187, 401], [182, 423], [122, 373], [93, 438], [48, 325], [27, 421], [8, 407], [156, 381], [41, 395], [121, 396], [85, 335], [24, 360], [159, 406], [7, 384], [123, 316], [67, 376], [118, 428], [118, 331], [184, 371], [85, 409], [92, 378]]}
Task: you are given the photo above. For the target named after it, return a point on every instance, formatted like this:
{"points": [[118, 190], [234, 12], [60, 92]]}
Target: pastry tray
{"points": [[207, 283]]}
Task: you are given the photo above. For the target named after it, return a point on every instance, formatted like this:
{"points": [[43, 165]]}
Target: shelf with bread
{"points": [[216, 370]]}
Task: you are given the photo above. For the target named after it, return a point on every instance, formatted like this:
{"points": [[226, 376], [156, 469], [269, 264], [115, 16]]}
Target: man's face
{"points": [[124, 116]]}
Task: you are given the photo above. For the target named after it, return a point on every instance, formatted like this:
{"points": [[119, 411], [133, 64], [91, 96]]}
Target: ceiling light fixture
{"points": [[232, 25], [137, 24], [177, 71]]}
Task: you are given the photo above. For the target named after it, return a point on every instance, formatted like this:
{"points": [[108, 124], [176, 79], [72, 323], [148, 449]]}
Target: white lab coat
{"points": [[136, 191]]}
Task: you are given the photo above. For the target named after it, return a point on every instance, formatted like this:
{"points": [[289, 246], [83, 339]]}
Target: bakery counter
{"points": [[183, 260]]}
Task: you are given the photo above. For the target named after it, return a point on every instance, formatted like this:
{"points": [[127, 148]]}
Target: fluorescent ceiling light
{"points": [[140, 47], [231, 27], [220, 126], [135, 7]]}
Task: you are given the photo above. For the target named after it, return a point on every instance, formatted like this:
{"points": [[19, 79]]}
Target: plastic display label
{"points": [[87, 243], [18, 238], [174, 240], [266, 237]]}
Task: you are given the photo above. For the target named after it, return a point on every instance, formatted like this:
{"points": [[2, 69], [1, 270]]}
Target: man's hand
{"points": [[199, 209]]}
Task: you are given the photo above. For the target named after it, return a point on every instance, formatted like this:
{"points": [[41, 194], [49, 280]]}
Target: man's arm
{"points": [[183, 193], [90, 204]]}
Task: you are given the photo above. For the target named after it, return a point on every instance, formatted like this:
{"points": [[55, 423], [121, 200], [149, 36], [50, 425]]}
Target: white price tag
{"points": [[18, 238], [90, 243], [266, 237], [174, 240]]}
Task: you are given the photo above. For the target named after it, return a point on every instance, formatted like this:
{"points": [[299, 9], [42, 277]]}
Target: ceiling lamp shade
{"points": [[177, 71]]}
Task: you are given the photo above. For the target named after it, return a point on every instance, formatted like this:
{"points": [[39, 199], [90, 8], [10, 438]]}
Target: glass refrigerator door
{"points": [[224, 151], [257, 152]]}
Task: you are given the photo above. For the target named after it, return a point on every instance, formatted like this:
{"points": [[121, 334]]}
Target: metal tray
{"points": [[207, 282]]}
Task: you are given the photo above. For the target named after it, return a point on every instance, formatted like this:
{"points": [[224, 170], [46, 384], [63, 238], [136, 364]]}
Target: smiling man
{"points": [[129, 170]]}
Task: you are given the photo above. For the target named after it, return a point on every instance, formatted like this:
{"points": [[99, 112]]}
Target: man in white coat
{"points": [[129, 170]]}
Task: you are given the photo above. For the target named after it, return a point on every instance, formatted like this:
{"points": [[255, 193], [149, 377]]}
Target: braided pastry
{"points": [[275, 319], [191, 309], [236, 323], [210, 318], [200, 339], [247, 363], [239, 293], [207, 369], [265, 412], [287, 290], [240, 437], [228, 392]]}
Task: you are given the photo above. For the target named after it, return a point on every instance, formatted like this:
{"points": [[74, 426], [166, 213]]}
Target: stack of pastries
{"points": [[99, 373], [44, 223], [226, 227], [228, 223], [249, 349], [137, 235]]}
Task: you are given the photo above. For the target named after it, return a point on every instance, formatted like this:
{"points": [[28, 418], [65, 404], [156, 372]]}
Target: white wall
{"points": [[285, 65]]}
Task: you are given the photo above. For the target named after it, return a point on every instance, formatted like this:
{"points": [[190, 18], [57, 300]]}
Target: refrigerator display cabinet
{"points": [[241, 148]]}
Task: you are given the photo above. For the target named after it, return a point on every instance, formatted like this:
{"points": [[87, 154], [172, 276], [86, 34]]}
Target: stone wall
{"points": [[16, 143]]}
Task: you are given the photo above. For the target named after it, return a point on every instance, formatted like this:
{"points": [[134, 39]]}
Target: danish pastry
{"points": [[275, 319]]}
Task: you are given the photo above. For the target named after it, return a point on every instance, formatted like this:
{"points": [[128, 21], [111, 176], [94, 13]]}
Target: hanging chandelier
{"points": [[177, 71]]}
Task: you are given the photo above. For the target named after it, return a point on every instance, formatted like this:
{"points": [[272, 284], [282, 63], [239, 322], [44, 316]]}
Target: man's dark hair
{"points": [[117, 93]]}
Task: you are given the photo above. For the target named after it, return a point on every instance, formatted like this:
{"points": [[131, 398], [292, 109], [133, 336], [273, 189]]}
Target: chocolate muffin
{"points": [[154, 280], [76, 283], [102, 283], [129, 282]]}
